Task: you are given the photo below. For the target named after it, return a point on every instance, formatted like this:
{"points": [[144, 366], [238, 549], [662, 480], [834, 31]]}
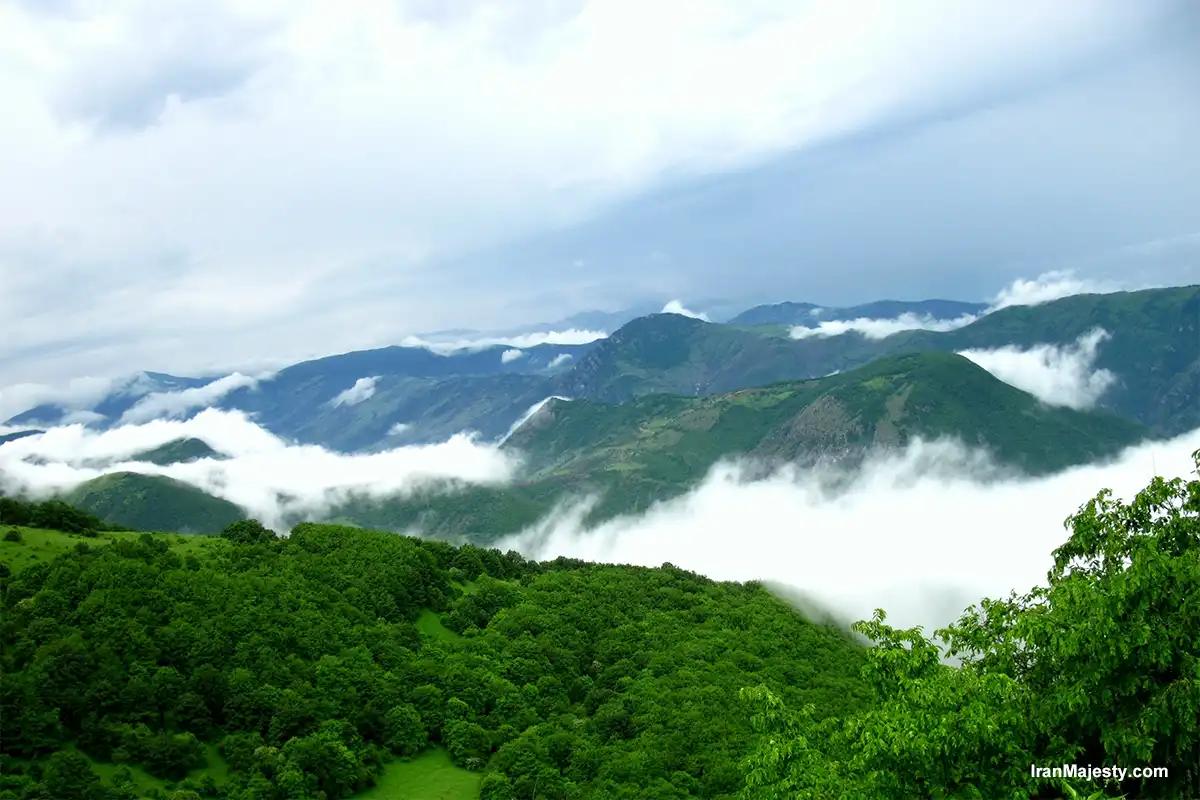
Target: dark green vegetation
{"points": [[51, 514], [153, 502], [302, 664], [658, 446], [244, 666], [1100, 667]]}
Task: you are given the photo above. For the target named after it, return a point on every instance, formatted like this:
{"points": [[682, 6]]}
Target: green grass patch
{"points": [[41, 546], [430, 623], [214, 766], [429, 776]]}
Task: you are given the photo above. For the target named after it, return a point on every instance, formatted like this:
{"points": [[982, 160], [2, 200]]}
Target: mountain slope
{"points": [[178, 451], [657, 446], [1153, 351], [153, 503], [810, 315], [669, 353], [884, 404]]}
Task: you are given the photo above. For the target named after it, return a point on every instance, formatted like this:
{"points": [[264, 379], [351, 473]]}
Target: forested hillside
{"points": [[301, 665]]}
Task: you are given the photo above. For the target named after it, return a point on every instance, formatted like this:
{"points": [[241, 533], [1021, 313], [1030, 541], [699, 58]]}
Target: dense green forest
{"points": [[250, 666]]}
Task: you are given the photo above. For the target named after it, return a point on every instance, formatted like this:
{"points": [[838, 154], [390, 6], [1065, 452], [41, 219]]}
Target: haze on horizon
{"points": [[228, 182]]}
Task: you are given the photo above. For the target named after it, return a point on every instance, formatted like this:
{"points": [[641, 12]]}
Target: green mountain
{"points": [[657, 446], [1153, 349], [153, 503], [178, 451], [673, 354]]}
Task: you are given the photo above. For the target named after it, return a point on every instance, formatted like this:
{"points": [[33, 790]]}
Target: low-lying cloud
{"points": [[270, 478], [509, 356], [363, 389], [882, 328], [528, 415], [1059, 376], [677, 307], [178, 404], [1050, 286], [445, 346], [77, 394], [923, 532]]}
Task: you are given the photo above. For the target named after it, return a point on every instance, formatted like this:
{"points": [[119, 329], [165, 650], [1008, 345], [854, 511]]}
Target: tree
{"points": [[68, 776], [248, 531], [404, 732], [1099, 667]]}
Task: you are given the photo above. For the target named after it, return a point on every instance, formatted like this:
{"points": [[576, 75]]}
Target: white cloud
{"points": [[528, 415], [1051, 286], [559, 360], [263, 473], [1060, 376], [77, 394], [456, 344], [82, 417], [279, 176], [922, 533], [676, 307], [882, 328], [511, 355], [363, 389], [177, 404], [398, 428]]}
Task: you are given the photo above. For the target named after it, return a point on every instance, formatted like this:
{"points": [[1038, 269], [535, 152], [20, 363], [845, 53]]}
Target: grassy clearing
{"points": [[430, 623], [429, 776], [214, 766], [39, 546]]}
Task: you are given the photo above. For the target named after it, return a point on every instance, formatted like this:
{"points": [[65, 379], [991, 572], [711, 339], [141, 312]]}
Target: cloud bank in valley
{"points": [[923, 532], [270, 478], [179, 403], [882, 328], [455, 344], [1059, 376]]}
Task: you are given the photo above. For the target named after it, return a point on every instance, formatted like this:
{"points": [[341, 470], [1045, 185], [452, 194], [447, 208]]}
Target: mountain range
{"points": [[644, 413], [376, 399]]}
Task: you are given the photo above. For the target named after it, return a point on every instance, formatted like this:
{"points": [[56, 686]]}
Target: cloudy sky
{"points": [[204, 184]]}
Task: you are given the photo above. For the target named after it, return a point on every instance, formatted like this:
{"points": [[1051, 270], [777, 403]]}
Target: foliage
{"points": [[248, 531], [1100, 667], [300, 657], [49, 514]]}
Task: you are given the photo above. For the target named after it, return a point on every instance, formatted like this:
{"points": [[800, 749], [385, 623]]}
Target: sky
{"points": [[203, 185]]}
